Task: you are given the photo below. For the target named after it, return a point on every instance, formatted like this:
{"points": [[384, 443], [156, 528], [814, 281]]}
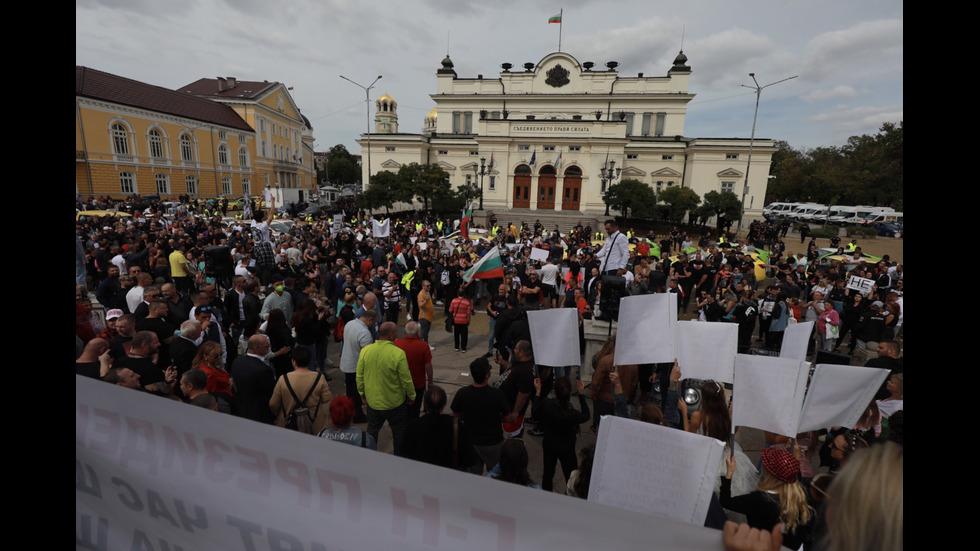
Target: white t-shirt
{"points": [[260, 231], [548, 273]]}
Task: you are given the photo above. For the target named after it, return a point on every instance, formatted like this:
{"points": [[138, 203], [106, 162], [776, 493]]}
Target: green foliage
{"points": [[823, 233], [342, 168], [631, 194], [454, 201], [384, 190], [867, 170], [423, 182], [724, 206], [862, 231], [678, 202]]}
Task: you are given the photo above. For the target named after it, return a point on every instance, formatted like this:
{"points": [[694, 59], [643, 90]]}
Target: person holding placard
{"points": [[559, 422]]}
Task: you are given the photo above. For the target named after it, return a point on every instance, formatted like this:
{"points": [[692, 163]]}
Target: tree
{"points": [[724, 206], [422, 182], [457, 199], [384, 191], [679, 201], [342, 167], [631, 194]]}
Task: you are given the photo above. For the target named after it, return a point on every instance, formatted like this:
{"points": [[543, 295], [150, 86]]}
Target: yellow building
{"points": [[214, 137], [134, 138], [283, 149]]}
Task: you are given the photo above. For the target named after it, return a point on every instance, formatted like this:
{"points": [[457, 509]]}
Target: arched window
{"points": [[127, 182], [243, 157], [163, 184], [120, 139], [186, 148], [156, 144], [223, 155]]}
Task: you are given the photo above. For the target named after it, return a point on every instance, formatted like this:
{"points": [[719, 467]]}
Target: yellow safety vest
{"points": [[407, 278], [494, 230], [851, 247], [439, 225]]}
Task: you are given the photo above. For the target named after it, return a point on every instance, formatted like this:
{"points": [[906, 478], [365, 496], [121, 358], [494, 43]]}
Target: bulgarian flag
{"points": [[555, 18], [464, 222], [488, 267]]}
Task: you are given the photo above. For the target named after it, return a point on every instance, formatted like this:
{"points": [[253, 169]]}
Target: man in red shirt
{"points": [[419, 364]]}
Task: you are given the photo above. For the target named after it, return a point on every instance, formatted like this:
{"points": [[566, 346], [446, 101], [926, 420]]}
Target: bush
{"points": [[823, 233], [861, 231]]}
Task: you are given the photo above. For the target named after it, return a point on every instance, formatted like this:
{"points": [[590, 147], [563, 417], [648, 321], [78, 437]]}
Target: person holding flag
{"points": [[464, 222]]}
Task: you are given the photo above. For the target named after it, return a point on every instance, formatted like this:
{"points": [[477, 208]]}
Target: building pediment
{"points": [[633, 171], [730, 173], [668, 172], [446, 166], [391, 164]]}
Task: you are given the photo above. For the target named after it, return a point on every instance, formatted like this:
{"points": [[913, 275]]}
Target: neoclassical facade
{"points": [[215, 137], [550, 129]]}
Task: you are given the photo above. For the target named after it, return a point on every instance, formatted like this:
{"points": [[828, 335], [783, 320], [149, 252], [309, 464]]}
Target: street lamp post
{"points": [[483, 171], [367, 118], [745, 185], [608, 174]]}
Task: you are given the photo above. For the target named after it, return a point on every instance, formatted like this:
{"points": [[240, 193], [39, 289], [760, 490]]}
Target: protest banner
{"points": [[152, 473], [554, 333], [707, 350], [860, 284], [647, 328], [768, 393], [838, 395], [654, 470], [796, 340]]}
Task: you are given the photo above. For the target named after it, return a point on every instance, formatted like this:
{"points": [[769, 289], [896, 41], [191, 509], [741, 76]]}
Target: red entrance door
{"points": [[572, 189], [522, 187], [547, 181]]}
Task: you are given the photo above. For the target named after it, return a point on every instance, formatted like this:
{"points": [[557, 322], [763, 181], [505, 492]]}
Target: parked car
{"points": [[890, 229]]}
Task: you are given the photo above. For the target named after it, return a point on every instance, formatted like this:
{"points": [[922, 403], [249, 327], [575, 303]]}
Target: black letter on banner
{"points": [[247, 530], [281, 541], [158, 509], [201, 522], [134, 502], [88, 484], [428, 513], [506, 528], [139, 431], [326, 480], [101, 542], [297, 474]]}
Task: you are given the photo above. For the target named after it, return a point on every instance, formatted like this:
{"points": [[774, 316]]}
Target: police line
{"points": [[151, 473]]}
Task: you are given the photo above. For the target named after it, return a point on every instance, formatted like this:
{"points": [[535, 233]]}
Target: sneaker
{"points": [[464, 351], [431, 347], [409, 316], [536, 432], [456, 349], [439, 302]]}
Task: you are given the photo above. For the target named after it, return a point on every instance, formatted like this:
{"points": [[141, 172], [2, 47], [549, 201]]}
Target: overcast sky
{"points": [[848, 54]]}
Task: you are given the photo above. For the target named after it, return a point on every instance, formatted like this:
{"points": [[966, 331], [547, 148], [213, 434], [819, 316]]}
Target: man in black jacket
{"points": [[255, 381]]}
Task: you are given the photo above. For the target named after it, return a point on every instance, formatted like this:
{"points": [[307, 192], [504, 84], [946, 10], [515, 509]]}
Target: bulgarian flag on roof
{"points": [[488, 267], [555, 18], [464, 222]]}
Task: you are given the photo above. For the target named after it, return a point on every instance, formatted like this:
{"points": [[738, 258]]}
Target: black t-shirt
{"points": [[88, 369], [148, 371], [481, 409], [519, 378]]}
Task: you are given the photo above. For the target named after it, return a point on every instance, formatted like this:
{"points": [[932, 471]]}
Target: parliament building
{"points": [[552, 127]]}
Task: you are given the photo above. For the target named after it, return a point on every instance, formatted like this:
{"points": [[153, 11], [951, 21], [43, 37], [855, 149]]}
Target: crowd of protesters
{"points": [[226, 313]]}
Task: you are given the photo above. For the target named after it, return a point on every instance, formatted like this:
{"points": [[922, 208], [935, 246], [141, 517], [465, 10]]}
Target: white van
{"points": [[896, 217], [863, 212], [804, 212], [778, 210]]}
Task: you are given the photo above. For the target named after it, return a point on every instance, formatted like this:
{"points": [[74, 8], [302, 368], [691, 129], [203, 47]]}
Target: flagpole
{"points": [[561, 22]]}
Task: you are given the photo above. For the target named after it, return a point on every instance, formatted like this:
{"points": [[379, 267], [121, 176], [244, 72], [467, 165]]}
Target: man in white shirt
{"points": [[549, 284], [615, 252]]}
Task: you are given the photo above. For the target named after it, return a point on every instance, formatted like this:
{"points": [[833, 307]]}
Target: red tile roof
{"points": [[90, 83]]}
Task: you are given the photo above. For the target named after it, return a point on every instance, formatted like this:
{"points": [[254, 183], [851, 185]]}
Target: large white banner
{"points": [[554, 333], [380, 229], [707, 350], [838, 395], [796, 339], [151, 473], [768, 393], [647, 329], [654, 470]]}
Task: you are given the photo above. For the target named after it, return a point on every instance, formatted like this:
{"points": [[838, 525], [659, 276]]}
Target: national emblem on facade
{"points": [[557, 76]]}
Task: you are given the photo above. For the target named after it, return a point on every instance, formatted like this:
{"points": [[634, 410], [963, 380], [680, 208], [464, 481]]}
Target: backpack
{"points": [[300, 419], [338, 330]]}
